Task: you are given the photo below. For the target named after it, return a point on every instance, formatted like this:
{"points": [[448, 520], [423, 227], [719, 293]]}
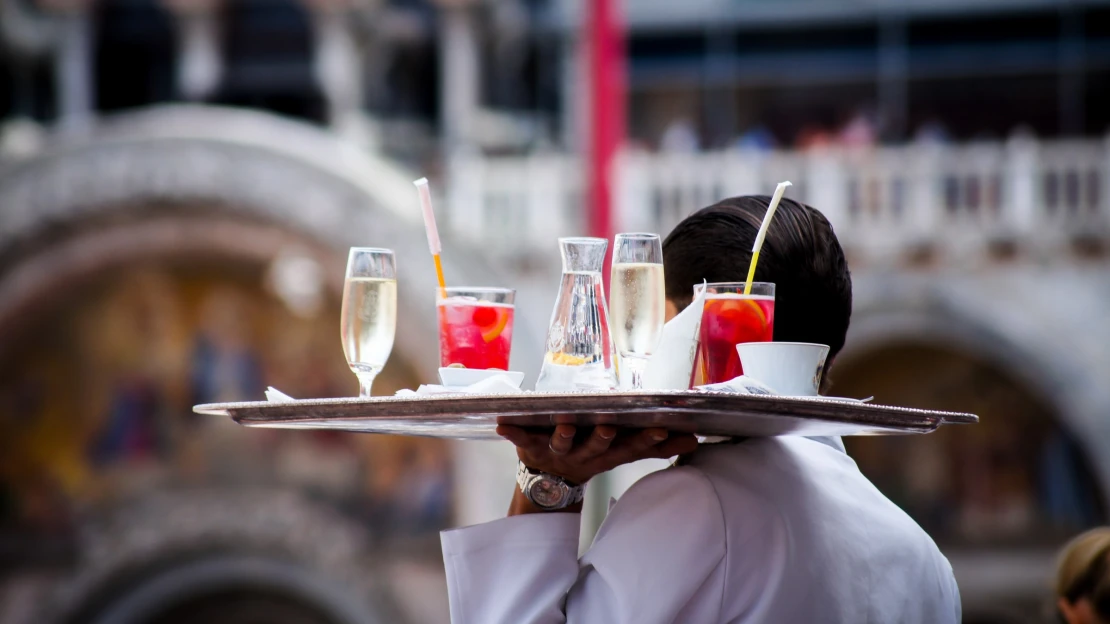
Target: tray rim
{"points": [[462, 404]]}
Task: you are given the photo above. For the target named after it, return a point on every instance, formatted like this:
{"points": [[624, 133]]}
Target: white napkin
{"points": [[739, 385], [673, 361], [497, 384], [274, 395], [748, 385]]}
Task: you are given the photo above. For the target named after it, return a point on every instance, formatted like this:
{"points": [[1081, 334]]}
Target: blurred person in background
{"points": [[758, 138], [861, 130], [1083, 579], [680, 137]]}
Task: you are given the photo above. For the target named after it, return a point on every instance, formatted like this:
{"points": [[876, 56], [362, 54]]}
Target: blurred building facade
{"points": [[158, 249]]}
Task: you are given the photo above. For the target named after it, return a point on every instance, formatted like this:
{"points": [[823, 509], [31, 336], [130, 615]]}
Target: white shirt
{"points": [[777, 530]]}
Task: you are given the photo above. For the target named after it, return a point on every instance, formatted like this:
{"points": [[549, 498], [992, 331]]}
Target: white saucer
{"points": [[462, 377]]}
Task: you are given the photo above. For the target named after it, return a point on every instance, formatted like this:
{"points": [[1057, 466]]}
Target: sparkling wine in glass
{"points": [[369, 317], [637, 303]]}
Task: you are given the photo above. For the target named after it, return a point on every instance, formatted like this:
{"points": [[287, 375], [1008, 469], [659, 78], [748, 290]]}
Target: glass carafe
{"points": [[580, 352]]}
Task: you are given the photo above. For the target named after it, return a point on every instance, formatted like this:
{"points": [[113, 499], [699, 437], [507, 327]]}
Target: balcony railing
{"points": [[959, 202]]}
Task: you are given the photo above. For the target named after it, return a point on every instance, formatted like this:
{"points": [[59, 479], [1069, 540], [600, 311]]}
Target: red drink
{"points": [[476, 334], [729, 319]]}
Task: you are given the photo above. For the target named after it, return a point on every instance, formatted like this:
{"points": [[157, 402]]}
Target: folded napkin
{"points": [[497, 384], [739, 385], [748, 385], [673, 361], [274, 395]]}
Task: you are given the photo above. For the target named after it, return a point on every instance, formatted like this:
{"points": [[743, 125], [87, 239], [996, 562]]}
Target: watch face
{"points": [[548, 493]]}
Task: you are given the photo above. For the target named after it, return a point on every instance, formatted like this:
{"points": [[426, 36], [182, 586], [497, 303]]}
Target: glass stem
{"points": [[365, 381], [635, 365]]}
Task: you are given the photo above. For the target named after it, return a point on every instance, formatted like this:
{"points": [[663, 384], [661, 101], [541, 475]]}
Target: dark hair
{"points": [[801, 255]]}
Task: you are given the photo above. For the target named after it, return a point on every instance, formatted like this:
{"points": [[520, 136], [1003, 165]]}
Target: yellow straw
{"points": [[775, 199], [439, 272]]}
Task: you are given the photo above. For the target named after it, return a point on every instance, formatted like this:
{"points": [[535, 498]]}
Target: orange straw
{"points": [[771, 208], [430, 228]]}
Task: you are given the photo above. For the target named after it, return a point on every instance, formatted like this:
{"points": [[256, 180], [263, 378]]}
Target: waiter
{"points": [[777, 530]]}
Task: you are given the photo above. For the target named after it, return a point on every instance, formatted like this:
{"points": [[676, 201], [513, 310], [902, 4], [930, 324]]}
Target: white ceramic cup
{"points": [[790, 368]]}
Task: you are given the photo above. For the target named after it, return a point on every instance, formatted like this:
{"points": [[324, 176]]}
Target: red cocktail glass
{"points": [[475, 327], [730, 317]]}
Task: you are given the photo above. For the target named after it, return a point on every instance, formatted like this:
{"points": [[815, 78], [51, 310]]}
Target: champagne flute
{"points": [[637, 302], [369, 317]]}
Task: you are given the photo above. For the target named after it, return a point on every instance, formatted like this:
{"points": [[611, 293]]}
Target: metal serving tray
{"points": [[474, 417]]}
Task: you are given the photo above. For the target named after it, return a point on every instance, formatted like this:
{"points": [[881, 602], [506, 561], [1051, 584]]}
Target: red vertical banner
{"points": [[606, 62]]}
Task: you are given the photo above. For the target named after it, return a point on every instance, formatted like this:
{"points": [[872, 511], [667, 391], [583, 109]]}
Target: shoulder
{"points": [[771, 457], [663, 543], [677, 489], [662, 503]]}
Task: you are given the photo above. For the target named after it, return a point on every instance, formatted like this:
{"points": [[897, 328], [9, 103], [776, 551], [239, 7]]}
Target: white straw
{"points": [[775, 199], [429, 216]]}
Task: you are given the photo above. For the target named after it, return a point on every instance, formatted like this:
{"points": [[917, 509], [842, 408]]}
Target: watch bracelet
{"points": [[525, 476]]}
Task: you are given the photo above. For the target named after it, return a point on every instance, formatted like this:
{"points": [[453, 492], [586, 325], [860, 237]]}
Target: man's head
{"points": [[801, 256]]}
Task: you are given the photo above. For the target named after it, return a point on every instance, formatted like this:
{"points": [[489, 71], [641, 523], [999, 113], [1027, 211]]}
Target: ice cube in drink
{"points": [[475, 334], [729, 319]]}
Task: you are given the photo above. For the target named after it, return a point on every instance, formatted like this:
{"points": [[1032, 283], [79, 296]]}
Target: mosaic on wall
{"points": [[96, 396]]}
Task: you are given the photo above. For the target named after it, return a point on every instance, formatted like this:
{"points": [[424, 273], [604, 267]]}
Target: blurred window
{"points": [[268, 51], [134, 54]]}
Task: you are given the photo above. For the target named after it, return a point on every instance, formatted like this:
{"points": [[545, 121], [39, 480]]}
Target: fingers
{"points": [[646, 439], [597, 443], [533, 443], [679, 444], [510, 433], [558, 440], [652, 443], [605, 448], [522, 438], [562, 439]]}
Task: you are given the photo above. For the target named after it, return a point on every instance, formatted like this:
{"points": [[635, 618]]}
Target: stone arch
{"points": [[277, 178], [1022, 322]]}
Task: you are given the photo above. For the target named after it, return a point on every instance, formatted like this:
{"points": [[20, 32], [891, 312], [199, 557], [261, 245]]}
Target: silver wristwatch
{"points": [[547, 491]]}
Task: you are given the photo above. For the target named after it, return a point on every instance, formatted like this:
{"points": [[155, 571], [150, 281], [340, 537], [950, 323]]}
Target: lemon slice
{"points": [[731, 307], [566, 359], [758, 311], [493, 332]]}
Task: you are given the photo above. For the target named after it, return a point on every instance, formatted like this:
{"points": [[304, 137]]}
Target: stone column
{"points": [[460, 71], [200, 63], [575, 122], [893, 61], [73, 78], [338, 64]]}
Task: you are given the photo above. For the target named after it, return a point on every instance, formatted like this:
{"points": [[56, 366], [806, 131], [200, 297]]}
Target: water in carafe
{"points": [[579, 353]]}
